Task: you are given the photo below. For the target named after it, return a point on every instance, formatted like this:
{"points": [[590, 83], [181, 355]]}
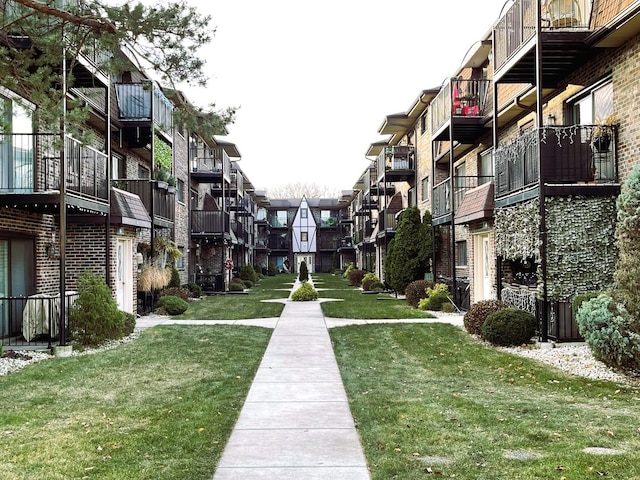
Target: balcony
{"points": [[143, 106], [328, 244], [31, 181], [210, 164], [158, 201], [396, 164], [441, 206], [279, 242], [564, 30], [209, 224], [459, 108], [387, 223], [568, 160]]}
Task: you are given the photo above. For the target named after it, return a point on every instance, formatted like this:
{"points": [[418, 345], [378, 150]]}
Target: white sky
{"points": [[314, 80]]}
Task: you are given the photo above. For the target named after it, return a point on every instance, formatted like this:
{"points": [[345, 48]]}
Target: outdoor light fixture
{"points": [[551, 120]]}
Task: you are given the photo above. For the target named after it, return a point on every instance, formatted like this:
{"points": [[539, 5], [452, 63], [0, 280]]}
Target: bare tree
{"points": [[300, 189]]}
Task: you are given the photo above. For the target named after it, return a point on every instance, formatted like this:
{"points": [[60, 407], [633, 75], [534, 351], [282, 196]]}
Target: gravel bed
{"points": [[13, 360]]}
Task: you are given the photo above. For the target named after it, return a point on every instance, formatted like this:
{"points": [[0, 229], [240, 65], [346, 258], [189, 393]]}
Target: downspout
{"points": [[109, 177], [153, 174], [544, 315], [494, 134], [453, 211]]}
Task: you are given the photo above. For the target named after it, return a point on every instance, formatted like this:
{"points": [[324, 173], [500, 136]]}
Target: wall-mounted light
{"points": [[551, 120], [120, 231]]}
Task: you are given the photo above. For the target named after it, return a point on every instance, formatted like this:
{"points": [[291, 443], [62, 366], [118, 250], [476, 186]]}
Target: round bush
{"points": [[194, 288], [236, 287], [172, 305], [183, 293], [478, 313], [612, 335], [248, 283], [436, 297], [304, 293], [355, 277], [509, 326], [448, 307], [377, 287], [368, 280], [129, 323], [303, 276], [417, 290]]}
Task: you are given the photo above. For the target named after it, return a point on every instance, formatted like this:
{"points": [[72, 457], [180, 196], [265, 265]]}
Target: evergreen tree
{"points": [[409, 251], [627, 275], [164, 39], [303, 276]]}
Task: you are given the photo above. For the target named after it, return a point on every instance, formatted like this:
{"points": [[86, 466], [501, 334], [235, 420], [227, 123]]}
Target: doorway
{"points": [[124, 275], [483, 288]]}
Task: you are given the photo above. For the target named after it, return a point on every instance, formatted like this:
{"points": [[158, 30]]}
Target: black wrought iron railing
{"points": [[33, 320], [441, 201], [163, 201], [567, 154], [460, 98], [31, 163], [205, 222]]}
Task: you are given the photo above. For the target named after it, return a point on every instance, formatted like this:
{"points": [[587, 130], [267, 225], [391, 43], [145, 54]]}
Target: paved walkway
{"points": [[296, 422]]}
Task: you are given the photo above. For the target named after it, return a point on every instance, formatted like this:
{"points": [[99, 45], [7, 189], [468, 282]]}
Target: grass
{"points": [[430, 400], [361, 306], [237, 307], [161, 407]]}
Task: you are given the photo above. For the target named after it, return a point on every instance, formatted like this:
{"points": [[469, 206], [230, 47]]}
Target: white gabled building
{"points": [[303, 231]]}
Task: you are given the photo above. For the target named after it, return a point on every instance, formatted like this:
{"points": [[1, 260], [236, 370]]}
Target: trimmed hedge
{"points": [[416, 291], [172, 305], [476, 316], [509, 326]]}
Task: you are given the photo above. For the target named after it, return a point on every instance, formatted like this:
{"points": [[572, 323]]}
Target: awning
{"points": [[374, 234], [128, 209], [477, 204]]}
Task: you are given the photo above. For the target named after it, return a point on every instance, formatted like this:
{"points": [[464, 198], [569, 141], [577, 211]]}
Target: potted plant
{"points": [[172, 182], [162, 177], [601, 134]]}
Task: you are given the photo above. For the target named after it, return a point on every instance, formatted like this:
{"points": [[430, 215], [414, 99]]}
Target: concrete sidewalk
{"points": [[296, 422]]}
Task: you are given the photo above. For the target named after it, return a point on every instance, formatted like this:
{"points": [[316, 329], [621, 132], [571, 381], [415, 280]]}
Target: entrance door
{"points": [[17, 279], [482, 270], [309, 259], [124, 275]]}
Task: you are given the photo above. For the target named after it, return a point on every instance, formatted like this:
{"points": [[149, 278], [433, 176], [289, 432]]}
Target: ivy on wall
{"points": [[517, 235], [581, 248]]}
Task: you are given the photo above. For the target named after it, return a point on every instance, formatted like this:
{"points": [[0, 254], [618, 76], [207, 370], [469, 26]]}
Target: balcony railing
{"points": [[460, 98], [441, 199], [23, 171], [136, 103], [387, 222], [398, 158], [206, 222], [518, 25], [328, 244], [163, 202], [568, 155], [279, 242], [210, 160]]}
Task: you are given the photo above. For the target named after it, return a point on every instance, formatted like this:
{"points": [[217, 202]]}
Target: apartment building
{"points": [[519, 157]]}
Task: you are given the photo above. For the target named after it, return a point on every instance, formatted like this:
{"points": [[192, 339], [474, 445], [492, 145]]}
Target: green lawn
{"points": [[161, 407], [357, 305], [241, 306], [430, 400]]}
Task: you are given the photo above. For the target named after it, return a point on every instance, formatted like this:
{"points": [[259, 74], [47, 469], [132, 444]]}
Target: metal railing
{"points": [[212, 160], [566, 154], [205, 222], [441, 198], [135, 102], [163, 202], [398, 158], [31, 163], [460, 98], [33, 320]]}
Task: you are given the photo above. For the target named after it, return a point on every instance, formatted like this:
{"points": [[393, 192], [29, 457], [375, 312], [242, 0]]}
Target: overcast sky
{"points": [[314, 80]]}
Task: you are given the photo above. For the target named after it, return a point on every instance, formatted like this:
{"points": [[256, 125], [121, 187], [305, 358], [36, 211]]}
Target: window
{"points": [[595, 106], [118, 166], [180, 191], [304, 213], [180, 259], [304, 236], [281, 218], [143, 172], [461, 253], [460, 183], [16, 151], [425, 189], [486, 167], [423, 124], [412, 197]]}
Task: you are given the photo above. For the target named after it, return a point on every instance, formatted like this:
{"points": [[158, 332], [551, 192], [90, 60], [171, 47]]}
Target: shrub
{"points": [[303, 276], [612, 335], [247, 272], [129, 323], [509, 326], [478, 313], [448, 307], [417, 290], [172, 305], [236, 287], [272, 269], [368, 280], [175, 278], [248, 283], [304, 293], [356, 276], [237, 280], [377, 287], [578, 300], [437, 296], [183, 293], [94, 317], [350, 267], [194, 288]]}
